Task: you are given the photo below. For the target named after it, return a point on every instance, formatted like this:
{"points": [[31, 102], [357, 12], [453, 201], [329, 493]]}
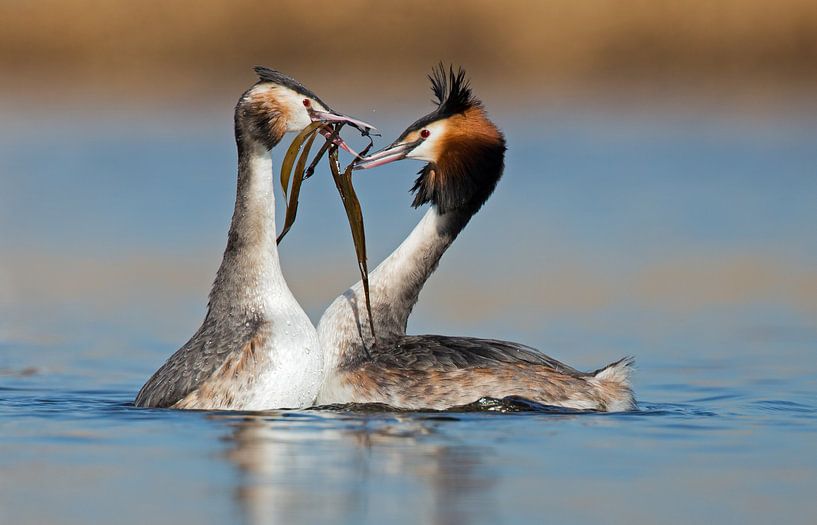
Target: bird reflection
{"points": [[343, 467]]}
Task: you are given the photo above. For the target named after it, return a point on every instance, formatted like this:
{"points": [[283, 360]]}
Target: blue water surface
{"points": [[687, 242]]}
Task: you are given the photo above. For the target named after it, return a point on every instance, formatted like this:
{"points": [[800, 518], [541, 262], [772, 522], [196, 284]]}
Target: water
{"points": [[742, 452], [687, 243]]}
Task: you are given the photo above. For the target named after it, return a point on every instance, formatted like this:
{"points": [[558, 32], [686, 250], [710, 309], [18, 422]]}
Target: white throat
{"points": [[395, 286], [259, 282], [259, 290]]}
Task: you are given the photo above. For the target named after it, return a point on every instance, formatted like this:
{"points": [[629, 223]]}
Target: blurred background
{"points": [[661, 164], [659, 200]]}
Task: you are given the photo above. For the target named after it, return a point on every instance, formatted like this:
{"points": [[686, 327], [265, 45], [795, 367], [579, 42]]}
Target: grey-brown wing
{"points": [[196, 361], [445, 353]]}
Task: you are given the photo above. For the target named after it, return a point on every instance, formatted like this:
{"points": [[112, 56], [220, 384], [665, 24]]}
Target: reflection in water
{"points": [[296, 467], [685, 241]]}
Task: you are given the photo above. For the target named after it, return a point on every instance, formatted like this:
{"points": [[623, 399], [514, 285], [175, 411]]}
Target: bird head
{"points": [[463, 149], [278, 104]]}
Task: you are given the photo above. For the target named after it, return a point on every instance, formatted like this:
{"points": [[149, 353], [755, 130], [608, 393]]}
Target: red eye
{"points": [[425, 133], [307, 102]]}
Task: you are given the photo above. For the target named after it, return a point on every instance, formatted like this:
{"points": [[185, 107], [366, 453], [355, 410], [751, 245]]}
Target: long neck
{"points": [[396, 282], [457, 186], [250, 277], [395, 287]]}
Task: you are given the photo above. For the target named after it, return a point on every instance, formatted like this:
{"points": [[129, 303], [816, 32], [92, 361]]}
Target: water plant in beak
{"points": [[354, 213], [306, 138], [343, 182]]}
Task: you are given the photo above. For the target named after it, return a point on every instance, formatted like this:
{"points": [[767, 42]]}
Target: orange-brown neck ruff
{"points": [[264, 118], [469, 165]]}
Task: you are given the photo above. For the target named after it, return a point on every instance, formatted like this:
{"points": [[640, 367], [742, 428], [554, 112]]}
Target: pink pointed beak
{"points": [[332, 117], [387, 155]]}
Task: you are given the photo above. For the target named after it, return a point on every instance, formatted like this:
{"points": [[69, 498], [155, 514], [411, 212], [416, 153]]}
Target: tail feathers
{"points": [[614, 385], [618, 372]]}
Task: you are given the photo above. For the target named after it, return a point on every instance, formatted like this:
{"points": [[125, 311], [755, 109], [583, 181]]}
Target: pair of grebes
{"points": [[257, 349]]}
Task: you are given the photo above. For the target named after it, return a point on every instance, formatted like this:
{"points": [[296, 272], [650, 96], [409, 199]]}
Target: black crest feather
{"points": [[452, 90], [453, 95], [466, 175], [274, 76]]}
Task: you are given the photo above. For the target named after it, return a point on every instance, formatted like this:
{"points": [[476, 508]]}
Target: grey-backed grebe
{"points": [[465, 153], [256, 348]]}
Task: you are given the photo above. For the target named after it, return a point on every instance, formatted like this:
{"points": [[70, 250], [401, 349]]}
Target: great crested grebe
{"points": [[465, 154], [256, 348]]}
